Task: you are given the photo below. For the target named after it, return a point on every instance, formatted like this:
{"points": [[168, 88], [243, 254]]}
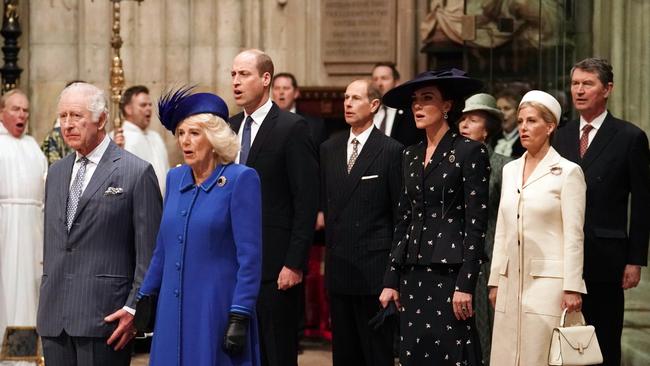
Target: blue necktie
{"points": [[75, 191], [245, 141]]}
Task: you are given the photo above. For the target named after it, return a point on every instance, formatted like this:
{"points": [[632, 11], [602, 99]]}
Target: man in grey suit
{"points": [[102, 211]]}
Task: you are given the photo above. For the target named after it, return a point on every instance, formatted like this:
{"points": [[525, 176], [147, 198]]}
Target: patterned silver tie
{"points": [[75, 191], [355, 154]]}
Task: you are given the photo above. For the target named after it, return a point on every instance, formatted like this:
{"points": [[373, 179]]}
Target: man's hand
{"points": [[118, 137], [320, 221], [288, 278], [125, 330], [631, 276]]}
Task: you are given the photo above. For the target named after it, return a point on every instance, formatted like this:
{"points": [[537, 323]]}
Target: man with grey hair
{"points": [[615, 158], [102, 211]]}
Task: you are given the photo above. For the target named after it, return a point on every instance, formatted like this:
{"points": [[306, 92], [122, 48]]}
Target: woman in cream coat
{"points": [[536, 269]]}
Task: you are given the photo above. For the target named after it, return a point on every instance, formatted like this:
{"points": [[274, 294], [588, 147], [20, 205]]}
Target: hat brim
{"points": [[493, 111], [454, 87]]}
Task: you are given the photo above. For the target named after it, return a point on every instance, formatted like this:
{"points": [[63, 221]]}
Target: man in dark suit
{"points": [[102, 212], [396, 123], [614, 157], [285, 92], [278, 146], [360, 183]]}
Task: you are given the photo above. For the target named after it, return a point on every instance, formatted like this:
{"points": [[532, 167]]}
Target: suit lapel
{"points": [[104, 170], [573, 141], [235, 122], [265, 130], [550, 160], [603, 136], [368, 154], [443, 149]]}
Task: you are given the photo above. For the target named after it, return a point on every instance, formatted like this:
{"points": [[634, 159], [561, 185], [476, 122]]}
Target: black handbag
{"points": [[145, 313]]}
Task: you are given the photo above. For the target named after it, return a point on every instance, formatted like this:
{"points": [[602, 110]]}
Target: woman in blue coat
{"points": [[207, 263]]}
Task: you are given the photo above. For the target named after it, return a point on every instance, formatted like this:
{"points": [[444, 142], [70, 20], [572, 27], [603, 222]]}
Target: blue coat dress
{"points": [[207, 263]]}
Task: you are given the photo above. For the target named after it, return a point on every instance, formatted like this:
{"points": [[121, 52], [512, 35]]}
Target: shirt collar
{"points": [[96, 155], [596, 123], [260, 114], [293, 109], [512, 134], [362, 137]]}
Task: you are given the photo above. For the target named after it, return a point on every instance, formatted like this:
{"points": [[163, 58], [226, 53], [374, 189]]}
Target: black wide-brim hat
{"points": [[453, 83]]}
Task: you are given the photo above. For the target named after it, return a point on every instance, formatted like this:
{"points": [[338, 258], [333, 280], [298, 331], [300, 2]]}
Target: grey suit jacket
{"points": [[97, 267]]}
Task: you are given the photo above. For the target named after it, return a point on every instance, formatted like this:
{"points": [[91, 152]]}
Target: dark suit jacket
{"points": [[284, 156], [97, 267], [317, 129], [615, 165], [360, 211], [404, 129], [443, 209]]}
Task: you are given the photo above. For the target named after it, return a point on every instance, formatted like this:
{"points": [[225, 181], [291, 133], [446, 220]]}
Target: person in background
{"points": [[394, 122], [481, 121], [509, 144], [137, 138], [536, 270], [211, 233], [23, 168]]}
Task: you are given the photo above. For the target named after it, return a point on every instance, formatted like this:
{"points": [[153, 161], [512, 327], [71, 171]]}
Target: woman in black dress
{"points": [[439, 237]]}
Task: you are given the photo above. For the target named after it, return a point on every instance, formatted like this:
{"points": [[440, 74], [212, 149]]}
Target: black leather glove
{"points": [[378, 320], [234, 340], [145, 313]]}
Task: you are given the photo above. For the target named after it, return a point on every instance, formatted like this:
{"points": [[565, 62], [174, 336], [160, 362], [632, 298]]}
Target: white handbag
{"points": [[574, 345]]}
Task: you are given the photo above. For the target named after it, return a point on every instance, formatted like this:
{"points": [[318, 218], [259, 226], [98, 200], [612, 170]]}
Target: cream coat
{"points": [[538, 254]]}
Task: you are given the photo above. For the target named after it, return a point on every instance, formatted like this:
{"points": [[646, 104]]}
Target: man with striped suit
{"points": [[102, 212], [360, 182]]}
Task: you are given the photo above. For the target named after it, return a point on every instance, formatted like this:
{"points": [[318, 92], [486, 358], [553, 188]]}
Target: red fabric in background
{"points": [[317, 314]]}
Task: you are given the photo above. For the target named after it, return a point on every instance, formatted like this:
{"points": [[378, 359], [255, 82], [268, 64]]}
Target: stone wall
{"points": [[170, 42]]}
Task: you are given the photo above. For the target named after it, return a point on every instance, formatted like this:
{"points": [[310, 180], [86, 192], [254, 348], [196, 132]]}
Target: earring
{"points": [[445, 116]]}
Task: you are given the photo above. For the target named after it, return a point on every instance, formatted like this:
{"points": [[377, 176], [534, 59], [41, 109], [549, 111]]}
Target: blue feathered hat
{"points": [[175, 106]]}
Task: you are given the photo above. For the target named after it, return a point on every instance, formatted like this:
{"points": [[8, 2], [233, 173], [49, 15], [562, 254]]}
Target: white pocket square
{"points": [[369, 177], [112, 191]]}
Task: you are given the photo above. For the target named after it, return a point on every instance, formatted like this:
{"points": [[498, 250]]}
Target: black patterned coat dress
{"points": [[439, 248]]}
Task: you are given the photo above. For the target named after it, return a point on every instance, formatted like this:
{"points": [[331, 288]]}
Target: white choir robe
{"points": [[148, 146], [23, 168]]}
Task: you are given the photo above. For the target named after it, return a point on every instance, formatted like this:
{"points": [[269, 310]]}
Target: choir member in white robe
{"points": [[138, 138], [22, 185]]}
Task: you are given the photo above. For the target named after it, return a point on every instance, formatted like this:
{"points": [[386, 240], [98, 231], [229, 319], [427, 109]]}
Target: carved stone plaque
{"points": [[357, 33]]}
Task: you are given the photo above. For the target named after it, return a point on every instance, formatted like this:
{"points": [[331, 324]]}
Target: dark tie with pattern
{"points": [[354, 155], [584, 139], [245, 141], [75, 191]]}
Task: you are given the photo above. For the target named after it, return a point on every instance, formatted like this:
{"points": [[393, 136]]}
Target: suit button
{"points": [[176, 292], [68, 250]]}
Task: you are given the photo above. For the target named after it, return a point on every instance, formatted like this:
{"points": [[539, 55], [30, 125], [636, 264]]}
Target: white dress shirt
{"points": [[258, 117], [504, 145], [362, 138], [93, 160], [390, 118], [596, 123]]}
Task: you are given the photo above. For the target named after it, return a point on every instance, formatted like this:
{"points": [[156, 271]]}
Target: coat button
{"points": [[176, 292], [180, 238], [178, 265], [183, 213]]}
